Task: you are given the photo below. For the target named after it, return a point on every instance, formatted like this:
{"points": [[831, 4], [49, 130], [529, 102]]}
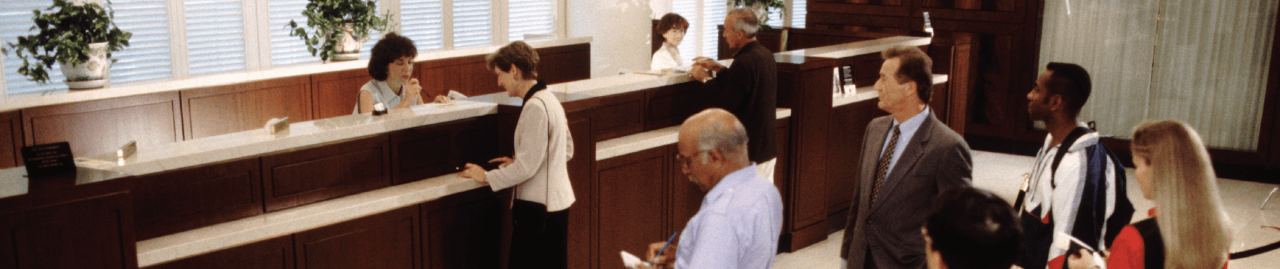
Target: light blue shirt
{"points": [[908, 130], [737, 226]]}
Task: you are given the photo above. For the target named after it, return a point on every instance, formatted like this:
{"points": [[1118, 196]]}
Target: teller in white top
{"points": [[391, 67], [672, 27]]}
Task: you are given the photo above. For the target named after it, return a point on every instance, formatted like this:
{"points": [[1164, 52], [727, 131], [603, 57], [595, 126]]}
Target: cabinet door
{"points": [[93, 232], [97, 127], [324, 172], [462, 232], [387, 240], [336, 93], [632, 209], [190, 198], [234, 108], [275, 253]]}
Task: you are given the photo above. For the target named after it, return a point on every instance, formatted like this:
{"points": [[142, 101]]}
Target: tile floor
{"points": [[1001, 173]]}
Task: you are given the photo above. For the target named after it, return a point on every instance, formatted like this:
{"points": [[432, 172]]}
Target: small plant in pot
{"points": [[761, 8], [78, 36], [339, 27]]}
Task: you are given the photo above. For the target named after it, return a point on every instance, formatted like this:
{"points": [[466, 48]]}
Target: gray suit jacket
{"points": [[935, 159]]}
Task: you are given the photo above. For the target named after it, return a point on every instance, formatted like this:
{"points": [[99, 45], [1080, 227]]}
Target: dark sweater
{"points": [[749, 90]]}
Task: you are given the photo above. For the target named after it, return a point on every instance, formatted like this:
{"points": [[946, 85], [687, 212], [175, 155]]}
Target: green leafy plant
{"points": [[66, 30], [766, 5], [327, 18]]}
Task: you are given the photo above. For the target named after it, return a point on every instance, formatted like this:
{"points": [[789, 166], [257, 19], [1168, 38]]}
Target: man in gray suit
{"points": [[907, 158]]}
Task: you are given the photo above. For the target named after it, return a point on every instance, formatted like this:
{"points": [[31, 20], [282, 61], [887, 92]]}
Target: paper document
{"points": [[630, 261], [1075, 245]]}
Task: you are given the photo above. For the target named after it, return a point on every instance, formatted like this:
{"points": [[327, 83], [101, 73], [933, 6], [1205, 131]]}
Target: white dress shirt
{"points": [[737, 226], [667, 56]]}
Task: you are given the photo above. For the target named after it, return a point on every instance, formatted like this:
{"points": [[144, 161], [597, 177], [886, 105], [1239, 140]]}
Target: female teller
{"points": [[391, 67]]}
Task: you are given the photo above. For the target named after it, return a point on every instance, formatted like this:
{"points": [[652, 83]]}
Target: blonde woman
{"points": [[1188, 227]]}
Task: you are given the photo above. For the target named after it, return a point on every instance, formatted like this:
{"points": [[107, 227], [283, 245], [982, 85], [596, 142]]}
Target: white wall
{"points": [[619, 30]]}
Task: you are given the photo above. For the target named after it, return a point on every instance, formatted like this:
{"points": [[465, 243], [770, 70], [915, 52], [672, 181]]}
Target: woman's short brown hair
{"points": [[387, 50], [671, 21], [517, 53]]}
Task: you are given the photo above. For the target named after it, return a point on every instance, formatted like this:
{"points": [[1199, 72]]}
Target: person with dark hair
{"points": [[971, 229], [748, 88], [907, 158], [1077, 186], [391, 67], [672, 26], [539, 171]]}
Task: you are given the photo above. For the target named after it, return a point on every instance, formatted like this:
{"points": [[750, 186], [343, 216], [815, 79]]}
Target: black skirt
{"points": [[539, 245]]}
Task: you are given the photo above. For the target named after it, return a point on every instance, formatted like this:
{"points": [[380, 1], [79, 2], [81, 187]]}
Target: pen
{"points": [[664, 246]]}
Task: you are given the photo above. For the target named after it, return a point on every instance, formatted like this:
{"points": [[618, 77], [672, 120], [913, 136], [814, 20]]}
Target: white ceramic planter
{"points": [[91, 73], [348, 47]]}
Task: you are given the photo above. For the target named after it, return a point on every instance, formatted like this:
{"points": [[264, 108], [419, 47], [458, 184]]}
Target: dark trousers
{"points": [[547, 247]]}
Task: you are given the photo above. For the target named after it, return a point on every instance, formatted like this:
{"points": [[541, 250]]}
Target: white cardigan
{"points": [[529, 171], [666, 57]]}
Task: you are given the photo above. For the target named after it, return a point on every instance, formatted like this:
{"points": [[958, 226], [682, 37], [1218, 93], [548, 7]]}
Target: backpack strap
{"points": [[1063, 149]]}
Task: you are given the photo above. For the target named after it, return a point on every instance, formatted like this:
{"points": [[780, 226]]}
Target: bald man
{"points": [[741, 216]]}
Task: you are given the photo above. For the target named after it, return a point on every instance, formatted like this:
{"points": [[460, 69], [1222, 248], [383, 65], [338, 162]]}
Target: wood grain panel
{"points": [[467, 75], [323, 172], [335, 93], [580, 176], [87, 232], [275, 253], [439, 149], [383, 240], [102, 126], [235, 108], [670, 105], [466, 235], [564, 63], [634, 213], [185, 199], [10, 139]]}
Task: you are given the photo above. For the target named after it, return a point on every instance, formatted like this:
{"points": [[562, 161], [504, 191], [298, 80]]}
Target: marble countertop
{"points": [[859, 48], [300, 134], [869, 92], [64, 97], [642, 141], [252, 229]]}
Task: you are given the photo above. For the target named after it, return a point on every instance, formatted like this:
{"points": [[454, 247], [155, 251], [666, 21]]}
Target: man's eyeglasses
{"points": [[681, 159]]}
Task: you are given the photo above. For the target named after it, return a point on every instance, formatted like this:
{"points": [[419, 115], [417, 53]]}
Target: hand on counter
{"points": [[698, 73], [503, 161], [475, 172], [707, 63], [442, 99]]}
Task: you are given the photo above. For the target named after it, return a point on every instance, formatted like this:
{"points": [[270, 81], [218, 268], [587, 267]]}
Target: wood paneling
{"points": [[634, 214], [440, 149], [235, 108], [335, 93], [275, 253], [317, 173], [469, 76], [806, 90], [93, 231], [670, 105], [564, 64], [97, 127], [175, 201], [460, 231], [384, 240], [848, 130], [581, 170], [10, 139]]}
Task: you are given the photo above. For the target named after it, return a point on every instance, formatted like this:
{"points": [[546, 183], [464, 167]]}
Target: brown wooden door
{"points": [[632, 206]]}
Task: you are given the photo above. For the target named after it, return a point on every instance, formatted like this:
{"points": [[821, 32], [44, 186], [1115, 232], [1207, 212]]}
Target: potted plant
{"points": [[761, 8], [78, 36], [340, 27]]}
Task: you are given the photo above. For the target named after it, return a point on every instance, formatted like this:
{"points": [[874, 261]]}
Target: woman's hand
{"points": [[475, 172], [504, 161], [412, 90], [1082, 259], [442, 99]]}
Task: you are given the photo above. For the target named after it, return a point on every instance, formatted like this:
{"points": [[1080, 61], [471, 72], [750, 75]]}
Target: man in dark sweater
{"points": [[748, 88]]}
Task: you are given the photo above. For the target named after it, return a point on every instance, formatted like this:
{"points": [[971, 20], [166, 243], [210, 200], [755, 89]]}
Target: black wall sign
{"points": [[48, 159]]}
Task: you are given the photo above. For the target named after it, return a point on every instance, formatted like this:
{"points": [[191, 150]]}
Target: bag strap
{"points": [[1062, 151]]}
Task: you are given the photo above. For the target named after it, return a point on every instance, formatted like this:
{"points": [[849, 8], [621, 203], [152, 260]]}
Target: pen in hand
{"points": [[664, 247]]}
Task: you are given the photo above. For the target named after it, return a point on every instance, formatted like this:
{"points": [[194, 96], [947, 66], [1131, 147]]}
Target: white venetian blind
{"points": [[15, 20], [530, 18], [690, 46], [288, 50], [798, 10], [472, 23], [148, 57], [712, 16], [776, 19], [215, 36], [423, 22]]}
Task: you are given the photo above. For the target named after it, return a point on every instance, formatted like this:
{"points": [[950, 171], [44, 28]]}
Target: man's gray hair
{"points": [[745, 20], [731, 141]]}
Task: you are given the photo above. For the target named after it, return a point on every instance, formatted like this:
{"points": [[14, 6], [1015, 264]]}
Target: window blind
{"points": [[423, 22], [529, 18], [215, 36], [472, 23], [798, 9], [15, 20], [148, 57], [712, 16], [288, 50], [690, 47]]}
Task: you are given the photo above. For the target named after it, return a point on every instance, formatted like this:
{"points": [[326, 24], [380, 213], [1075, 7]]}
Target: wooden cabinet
{"points": [[317, 173], [581, 176], [175, 201], [97, 127], [804, 86], [440, 149], [10, 139], [90, 231], [234, 108], [275, 253], [384, 240], [463, 230], [632, 209]]}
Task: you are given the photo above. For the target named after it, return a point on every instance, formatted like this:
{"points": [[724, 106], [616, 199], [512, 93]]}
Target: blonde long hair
{"points": [[1193, 222]]}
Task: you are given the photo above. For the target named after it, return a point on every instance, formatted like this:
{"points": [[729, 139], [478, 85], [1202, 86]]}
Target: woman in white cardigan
{"points": [[539, 171], [672, 27]]}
